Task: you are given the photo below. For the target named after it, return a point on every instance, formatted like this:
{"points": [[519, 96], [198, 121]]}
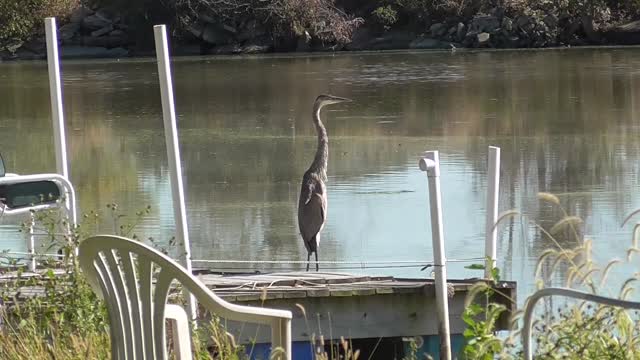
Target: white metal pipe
{"points": [[55, 89], [173, 155], [57, 111], [430, 163], [493, 193]]}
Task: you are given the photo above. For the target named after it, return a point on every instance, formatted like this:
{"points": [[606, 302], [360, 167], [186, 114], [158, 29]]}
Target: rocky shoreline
{"points": [[100, 34]]}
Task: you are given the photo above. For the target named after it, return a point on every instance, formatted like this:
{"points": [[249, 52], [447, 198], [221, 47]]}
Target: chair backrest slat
{"points": [[134, 301], [145, 270], [113, 316], [113, 306], [118, 282]]}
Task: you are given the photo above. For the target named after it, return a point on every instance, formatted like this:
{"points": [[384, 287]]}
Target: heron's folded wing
{"points": [[313, 216]]}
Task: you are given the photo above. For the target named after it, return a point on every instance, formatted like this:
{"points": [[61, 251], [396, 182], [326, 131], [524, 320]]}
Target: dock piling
{"points": [[57, 114], [173, 155], [493, 192], [55, 89], [430, 163]]}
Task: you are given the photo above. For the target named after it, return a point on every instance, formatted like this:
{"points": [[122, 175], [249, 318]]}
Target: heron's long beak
{"points": [[341, 99]]}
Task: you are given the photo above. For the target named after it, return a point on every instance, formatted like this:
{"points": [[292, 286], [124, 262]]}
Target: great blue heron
{"points": [[312, 205]]}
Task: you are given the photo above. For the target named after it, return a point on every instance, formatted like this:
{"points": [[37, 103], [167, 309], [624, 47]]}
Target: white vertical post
{"points": [[173, 155], [55, 89], [430, 163], [31, 249], [493, 192], [55, 93]]}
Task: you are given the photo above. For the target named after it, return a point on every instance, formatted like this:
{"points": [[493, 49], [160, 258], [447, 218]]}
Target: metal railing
{"points": [[68, 199]]}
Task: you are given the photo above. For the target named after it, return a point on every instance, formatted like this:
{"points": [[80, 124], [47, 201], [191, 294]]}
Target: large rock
{"points": [[105, 30], [627, 34], [213, 34], [525, 23], [95, 22], [68, 31], [106, 41], [428, 43], [551, 21], [438, 30], [483, 23], [84, 52], [118, 32], [364, 40], [392, 40], [79, 14], [482, 39]]}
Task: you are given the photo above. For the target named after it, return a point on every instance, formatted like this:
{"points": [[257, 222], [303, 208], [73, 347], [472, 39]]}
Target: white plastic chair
{"points": [[121, 270]]}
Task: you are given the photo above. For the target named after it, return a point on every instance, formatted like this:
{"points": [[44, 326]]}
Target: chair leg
{"points": [[281, 338], [180, 333]]}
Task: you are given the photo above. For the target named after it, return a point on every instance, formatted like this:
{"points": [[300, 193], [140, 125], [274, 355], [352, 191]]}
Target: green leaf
{"points": [[475, 267], [495, 274]]}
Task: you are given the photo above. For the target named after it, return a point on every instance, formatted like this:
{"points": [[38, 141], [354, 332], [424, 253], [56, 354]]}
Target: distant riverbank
{"points": [[95, 31]]}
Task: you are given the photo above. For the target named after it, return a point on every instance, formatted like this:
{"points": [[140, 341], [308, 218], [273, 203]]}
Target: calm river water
{"points": [[566, 120]]}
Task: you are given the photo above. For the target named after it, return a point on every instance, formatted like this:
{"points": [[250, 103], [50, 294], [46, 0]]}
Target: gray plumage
{"points": [[312, 205]]}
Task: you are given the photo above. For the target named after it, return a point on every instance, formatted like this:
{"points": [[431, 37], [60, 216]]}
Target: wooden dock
{"points": [[353, 306]]}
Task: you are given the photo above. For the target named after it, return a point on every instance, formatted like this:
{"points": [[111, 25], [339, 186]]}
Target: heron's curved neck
{"points": [[322, 153]]}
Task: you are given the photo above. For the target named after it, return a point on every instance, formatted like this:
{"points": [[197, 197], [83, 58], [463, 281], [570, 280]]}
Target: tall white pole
{"points": [[55, 89], [430, 163], [173, 155], [57, 113], [493, 192]]}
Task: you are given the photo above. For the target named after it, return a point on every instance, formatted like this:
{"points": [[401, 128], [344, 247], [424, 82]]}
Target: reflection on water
{"points": [[565, 120]]}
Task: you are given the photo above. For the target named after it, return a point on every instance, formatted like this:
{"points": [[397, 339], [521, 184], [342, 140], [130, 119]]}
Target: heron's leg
{"points": [[308, 259], [317, 264]]}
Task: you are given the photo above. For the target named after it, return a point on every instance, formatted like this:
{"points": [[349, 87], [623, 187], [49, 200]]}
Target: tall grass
{"points": [[564, 328]]}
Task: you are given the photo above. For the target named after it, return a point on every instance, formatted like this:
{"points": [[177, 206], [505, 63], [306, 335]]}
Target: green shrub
{"points": [[385, 16], [22, 19]]}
